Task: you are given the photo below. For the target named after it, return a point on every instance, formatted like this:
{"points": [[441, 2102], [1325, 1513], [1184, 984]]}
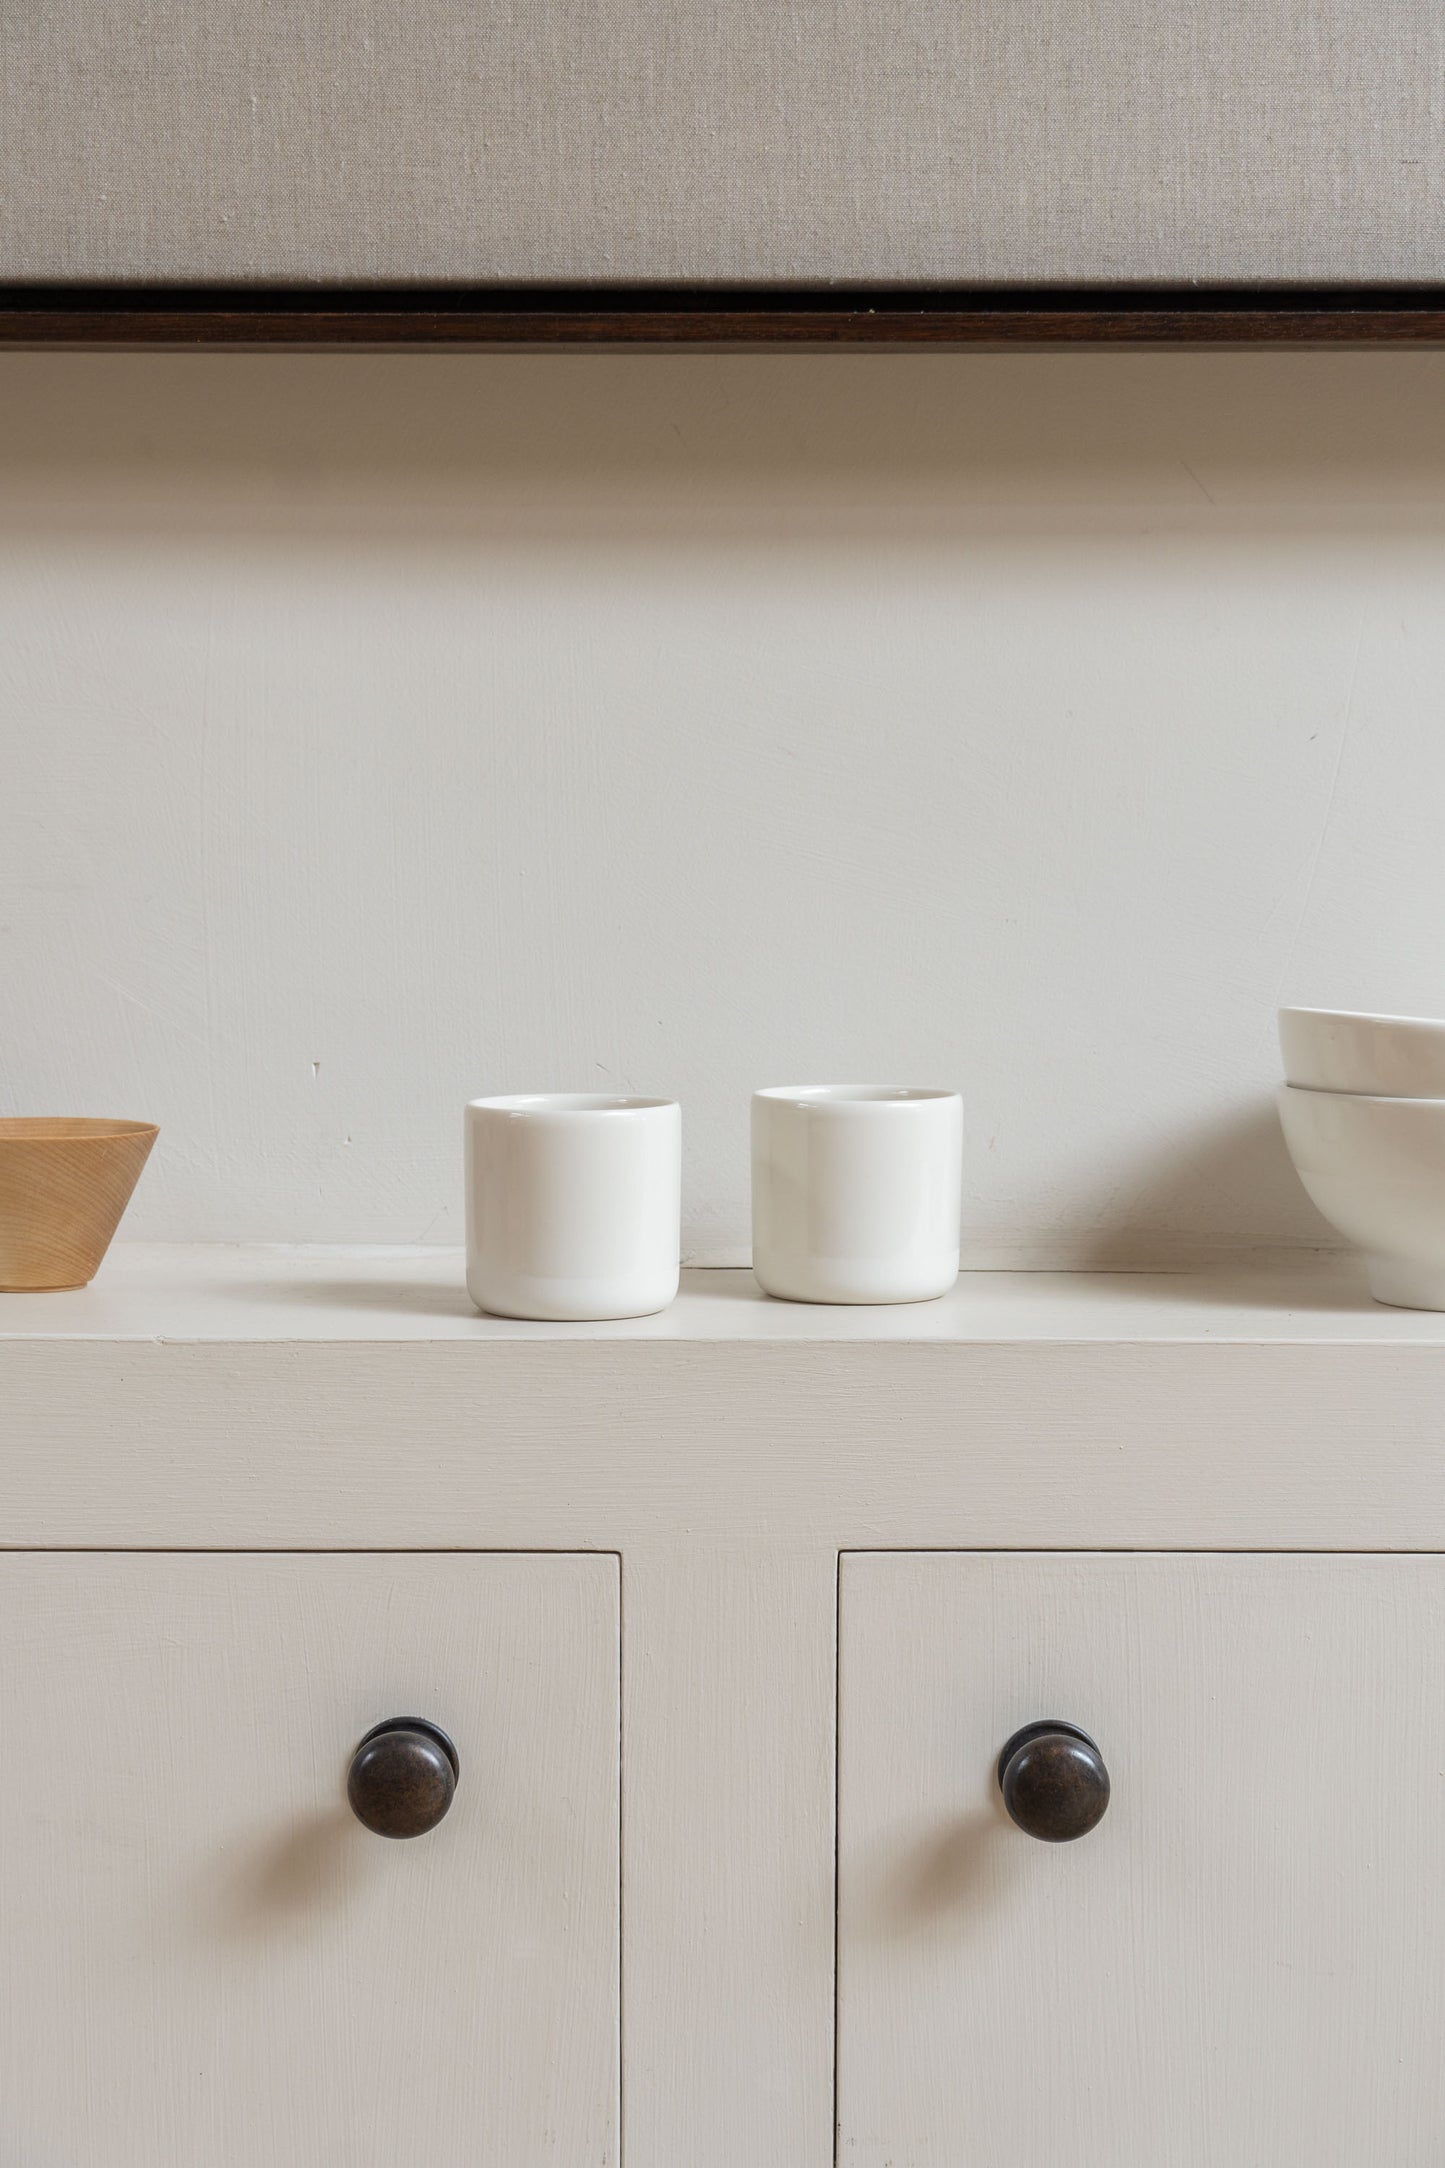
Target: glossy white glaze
{"points": [[1375, 1168], [1340, 1050], [573, 1204], [856, 1192]]}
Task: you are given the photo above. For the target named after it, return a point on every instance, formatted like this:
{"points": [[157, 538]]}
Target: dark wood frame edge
{"points": [[142, 316]]}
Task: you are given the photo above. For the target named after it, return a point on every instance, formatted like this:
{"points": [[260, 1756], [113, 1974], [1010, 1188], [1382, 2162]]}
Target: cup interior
{"points": [[568, 1103], [813, 1095]]}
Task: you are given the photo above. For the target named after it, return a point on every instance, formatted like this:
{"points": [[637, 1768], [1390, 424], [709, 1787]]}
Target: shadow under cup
{"points": [[856, 1192], [574, 1205]]}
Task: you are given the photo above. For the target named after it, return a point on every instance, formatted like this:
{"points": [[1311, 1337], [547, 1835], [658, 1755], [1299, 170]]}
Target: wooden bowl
{"points": [[64, 1184]]}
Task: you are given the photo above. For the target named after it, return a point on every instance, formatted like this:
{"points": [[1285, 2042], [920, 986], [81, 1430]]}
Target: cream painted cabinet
{"points": [[1243, 1963], [207, 1961], [253, 1503]]}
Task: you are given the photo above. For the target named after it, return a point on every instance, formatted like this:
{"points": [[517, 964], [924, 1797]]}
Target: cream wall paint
{"points": [[383, 730]]}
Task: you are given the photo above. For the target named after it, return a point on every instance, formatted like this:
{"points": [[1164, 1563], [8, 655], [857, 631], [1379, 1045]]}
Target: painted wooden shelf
{"points": [[353, 1399], [127, 316], [206, 1292], [746, 1461]]}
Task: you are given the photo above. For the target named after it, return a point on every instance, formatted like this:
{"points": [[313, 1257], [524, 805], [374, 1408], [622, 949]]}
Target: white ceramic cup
{"points": [[856, 1192], [573, 1204]]}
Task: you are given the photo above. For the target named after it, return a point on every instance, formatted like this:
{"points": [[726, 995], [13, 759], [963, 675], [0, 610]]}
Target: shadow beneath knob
{"points": [[300, 1873], [955, 1876]]}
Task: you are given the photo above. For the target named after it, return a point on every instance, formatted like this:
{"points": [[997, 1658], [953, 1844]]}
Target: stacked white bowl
{"points": [[1363, 1110]]}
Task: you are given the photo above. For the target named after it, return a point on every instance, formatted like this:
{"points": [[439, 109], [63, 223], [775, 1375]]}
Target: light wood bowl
{"points": [[64, 1184]]}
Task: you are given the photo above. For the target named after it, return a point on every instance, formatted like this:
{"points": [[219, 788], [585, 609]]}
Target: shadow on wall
{"points": [[1284, 436], [1230, 1172], [312, 777]]}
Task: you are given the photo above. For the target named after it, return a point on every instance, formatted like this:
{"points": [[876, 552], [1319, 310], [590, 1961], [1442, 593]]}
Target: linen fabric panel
{"points": [[784, 140]]}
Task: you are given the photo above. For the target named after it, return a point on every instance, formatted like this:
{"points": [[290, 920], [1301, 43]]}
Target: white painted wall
{"points": [[379, 731]]}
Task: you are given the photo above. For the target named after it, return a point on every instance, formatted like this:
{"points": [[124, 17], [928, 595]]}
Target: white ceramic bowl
{"points": [[1375, 1167], [1335, 1050]]}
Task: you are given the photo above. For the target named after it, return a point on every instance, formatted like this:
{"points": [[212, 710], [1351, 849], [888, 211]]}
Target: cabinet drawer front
{"points": [[209, 1962], [1243, 1962]]}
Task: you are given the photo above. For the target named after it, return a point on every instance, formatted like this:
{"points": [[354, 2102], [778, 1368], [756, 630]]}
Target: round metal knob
{"points": [[403, 1777], [1053, 1781]]}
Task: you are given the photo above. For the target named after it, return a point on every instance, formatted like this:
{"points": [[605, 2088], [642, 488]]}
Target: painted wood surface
{"points": [[212, 1291], [727, 1452], [1245, 1962], [601, 1444], [729, 1698], [208, 1960]]}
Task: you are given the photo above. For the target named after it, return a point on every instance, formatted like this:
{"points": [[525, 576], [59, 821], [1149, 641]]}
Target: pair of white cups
{"points": [[574, 1200]]}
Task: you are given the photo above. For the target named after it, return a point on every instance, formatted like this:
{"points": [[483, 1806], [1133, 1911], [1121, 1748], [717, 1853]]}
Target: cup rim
{"points": [[525, 1103], [71, 1128], [814, 1098], [1363, 1016]]}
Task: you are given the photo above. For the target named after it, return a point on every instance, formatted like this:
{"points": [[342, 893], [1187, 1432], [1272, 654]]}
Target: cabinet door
{"points": [[1243, 1965], [207, 1962]]}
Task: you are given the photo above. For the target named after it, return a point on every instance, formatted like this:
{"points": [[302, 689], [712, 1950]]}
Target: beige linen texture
{"points": [[746, 139]]}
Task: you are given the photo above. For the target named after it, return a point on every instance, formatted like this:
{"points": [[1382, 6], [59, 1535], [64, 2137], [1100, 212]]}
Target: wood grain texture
{"points": [[594, 1446], [1245, 1961], [728, 1698], [63, 1187], [209, 1960], [640, 316], [727, 1451]]}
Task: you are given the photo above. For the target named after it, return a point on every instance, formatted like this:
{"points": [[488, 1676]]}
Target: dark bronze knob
{"points": [[403, 1777], [1053, 1781]]}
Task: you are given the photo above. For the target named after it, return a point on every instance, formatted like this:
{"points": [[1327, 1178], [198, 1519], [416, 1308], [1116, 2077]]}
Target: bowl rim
{"points": [[1362, 1016], [1368, 1099], [72, 1129]]}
